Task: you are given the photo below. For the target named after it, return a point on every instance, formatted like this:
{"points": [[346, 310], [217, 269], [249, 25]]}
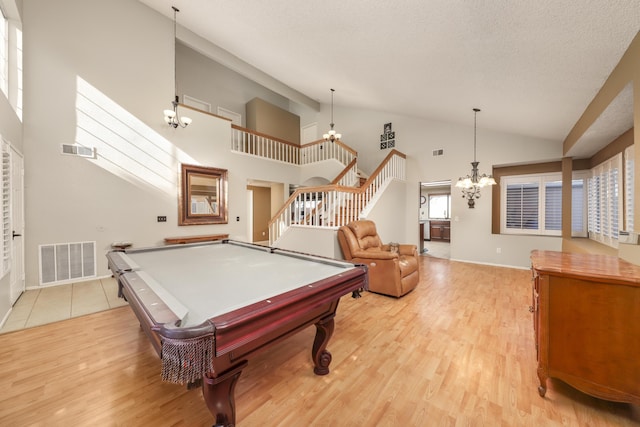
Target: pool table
{"points": [[208, 307]]}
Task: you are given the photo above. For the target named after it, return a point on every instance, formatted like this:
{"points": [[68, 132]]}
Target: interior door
{"points": [[16, 280]]}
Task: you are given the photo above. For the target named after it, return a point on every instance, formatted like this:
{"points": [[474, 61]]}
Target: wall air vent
{"points": [[67, 262], [79, 150], [438, 152]]}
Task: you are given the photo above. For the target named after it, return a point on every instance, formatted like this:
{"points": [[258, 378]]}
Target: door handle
{"points": [[14, 235]]}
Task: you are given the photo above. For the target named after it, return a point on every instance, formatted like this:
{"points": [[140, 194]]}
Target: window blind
{"points": [[553, 205], [577, 207], [594, 204], [6, 207], [4, 54], [614, 198], [605, 201], [522, 206], [629, 187]]}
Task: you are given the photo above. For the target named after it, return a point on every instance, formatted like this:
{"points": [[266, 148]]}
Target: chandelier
{"points": [[471, 184], [332, 136], [171, 116]]}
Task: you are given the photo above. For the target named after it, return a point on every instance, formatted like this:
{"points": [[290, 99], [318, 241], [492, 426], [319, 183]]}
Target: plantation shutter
{"points": [[522, 206], [594, 205], [605, 225], [553, 206], [614, 200], [628, 185], [577, 207]]}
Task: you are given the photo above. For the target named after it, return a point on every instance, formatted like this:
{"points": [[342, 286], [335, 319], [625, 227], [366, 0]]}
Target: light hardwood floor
{"points": [[457, 351]]}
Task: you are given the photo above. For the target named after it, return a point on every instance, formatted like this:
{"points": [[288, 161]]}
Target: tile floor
{"points": [[46, 305], [437, 249]]}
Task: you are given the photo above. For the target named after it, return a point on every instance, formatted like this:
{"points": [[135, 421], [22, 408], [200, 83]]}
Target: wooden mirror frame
{"points": [[185, 216]]}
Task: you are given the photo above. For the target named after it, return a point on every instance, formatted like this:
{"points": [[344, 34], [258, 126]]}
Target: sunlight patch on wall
{"points": [[125, 146]]}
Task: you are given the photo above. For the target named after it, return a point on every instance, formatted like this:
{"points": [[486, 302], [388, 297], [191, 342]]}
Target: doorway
{"points": [[264, 200], [435, 218]]}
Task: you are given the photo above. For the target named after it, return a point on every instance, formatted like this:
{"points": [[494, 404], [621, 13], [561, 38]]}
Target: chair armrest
{"points": [[408, 249]]}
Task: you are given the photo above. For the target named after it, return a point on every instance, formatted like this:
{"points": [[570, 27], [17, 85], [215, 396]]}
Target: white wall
{"points": [[388, 213], [316, 241], [322, 172]]}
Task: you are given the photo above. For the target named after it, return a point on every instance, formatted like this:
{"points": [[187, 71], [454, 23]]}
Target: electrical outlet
{"points": [[162, 219]]}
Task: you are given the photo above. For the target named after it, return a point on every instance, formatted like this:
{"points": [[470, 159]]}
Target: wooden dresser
{"points": [[586, 319]]}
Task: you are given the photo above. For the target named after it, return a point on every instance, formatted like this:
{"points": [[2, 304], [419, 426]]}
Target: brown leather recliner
{"points": [[390, 273]]}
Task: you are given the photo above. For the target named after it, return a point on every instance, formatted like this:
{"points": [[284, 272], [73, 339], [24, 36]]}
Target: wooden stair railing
{"points": [[349, 175], [335, 205]]}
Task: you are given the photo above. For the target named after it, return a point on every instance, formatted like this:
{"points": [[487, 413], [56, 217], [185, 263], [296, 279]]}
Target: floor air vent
{"points": [[66, 262]]}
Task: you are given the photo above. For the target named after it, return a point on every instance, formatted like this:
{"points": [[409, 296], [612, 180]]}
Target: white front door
{"points": [[17, 285]]}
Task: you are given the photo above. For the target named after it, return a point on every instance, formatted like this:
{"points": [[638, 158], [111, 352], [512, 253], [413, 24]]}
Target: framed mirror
{"points": [[203, 195]]}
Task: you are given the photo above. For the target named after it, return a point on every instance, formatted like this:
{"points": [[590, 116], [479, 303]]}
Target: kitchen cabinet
{"points": [[440, 230]]}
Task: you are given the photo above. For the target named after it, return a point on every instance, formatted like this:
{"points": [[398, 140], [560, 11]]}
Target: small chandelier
{"points": [[171, 116], [471, 184], [332, 136]]}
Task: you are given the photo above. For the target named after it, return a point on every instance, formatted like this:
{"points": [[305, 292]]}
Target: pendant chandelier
{"points": [[171, 116], [471, 184], [332, 136]]}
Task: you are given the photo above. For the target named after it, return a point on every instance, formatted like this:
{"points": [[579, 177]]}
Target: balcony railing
{"points": [[322, 150], [257, 144]]}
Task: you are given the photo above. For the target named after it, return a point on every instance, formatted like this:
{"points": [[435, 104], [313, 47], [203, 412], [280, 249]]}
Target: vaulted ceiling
{"points": [[531, 66]]}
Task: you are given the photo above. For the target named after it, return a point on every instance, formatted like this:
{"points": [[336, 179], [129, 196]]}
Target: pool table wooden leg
{"points": [[219, 395], [322, 357]]}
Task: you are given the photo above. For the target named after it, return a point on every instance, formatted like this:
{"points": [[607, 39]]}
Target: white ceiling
{"points": [[531, 66]]}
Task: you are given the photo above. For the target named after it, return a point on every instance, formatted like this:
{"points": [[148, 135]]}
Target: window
{"points": [[11, 57], [522, 206], [628, 187], [532, 204], [579, 205], [5, 208], [605, 201], [18, 100], [4, 53], [439, 206]]}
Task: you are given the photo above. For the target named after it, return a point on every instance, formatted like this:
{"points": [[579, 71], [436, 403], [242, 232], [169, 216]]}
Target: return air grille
{"points": [[66, 262], [78, 150]]}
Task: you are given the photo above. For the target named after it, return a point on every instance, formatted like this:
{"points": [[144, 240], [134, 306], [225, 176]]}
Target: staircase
{"points": [[334, 205], [327, 206]]}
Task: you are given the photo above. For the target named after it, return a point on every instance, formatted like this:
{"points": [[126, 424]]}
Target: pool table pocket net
{"points": [[187, 360]]}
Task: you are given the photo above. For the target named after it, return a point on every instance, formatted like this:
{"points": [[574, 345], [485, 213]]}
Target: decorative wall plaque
{"points": [[388, 137]]}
